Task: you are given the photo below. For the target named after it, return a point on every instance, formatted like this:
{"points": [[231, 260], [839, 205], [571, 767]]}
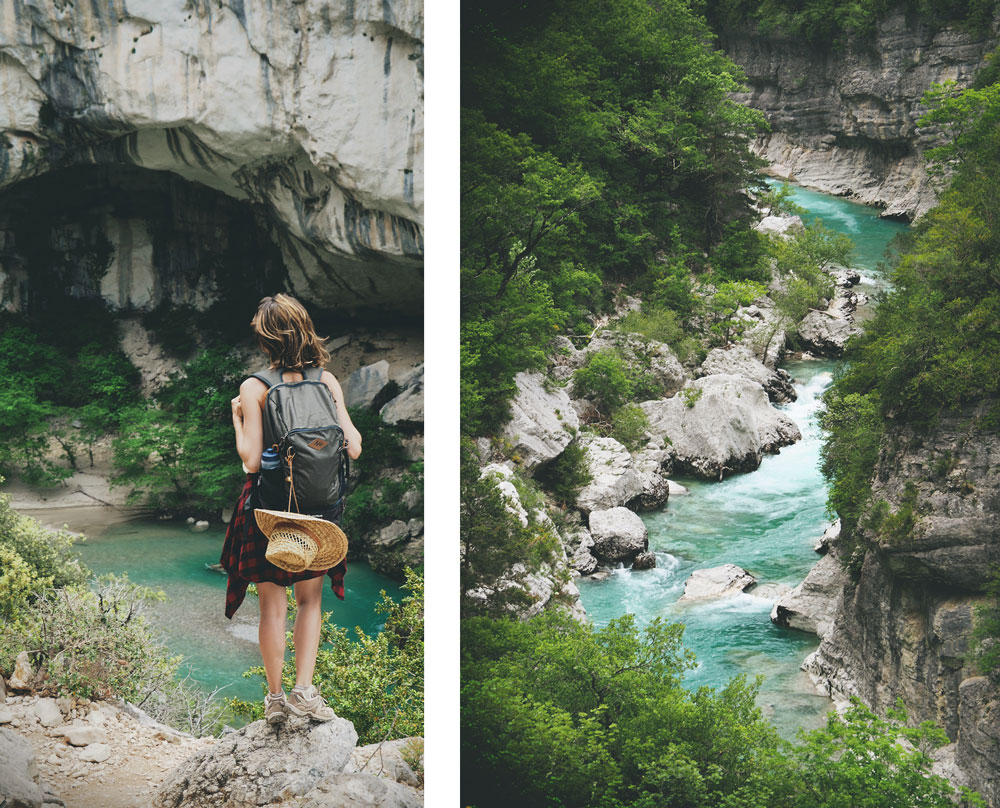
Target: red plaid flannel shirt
{"points": [[243, 557]]}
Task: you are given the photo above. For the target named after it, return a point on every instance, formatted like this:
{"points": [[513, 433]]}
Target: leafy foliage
{"points": [[375, 681], [558, 713], [629, 425], [564, 476], [606, 379], [986, 633]]}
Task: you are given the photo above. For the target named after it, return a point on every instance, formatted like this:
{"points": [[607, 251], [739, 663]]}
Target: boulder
{"points": [[48, 712], [676, 489], [784, 225], [579, 546], [812, 604], [644, 561], [23, 677], [261, 764], [716, 582], [619, 535], [503, 478], [720, 424], [364, 385], [739, 360], [18, 772], [388, 759], [652, 464], [614, 478], [542, 422], [825, 333], [407, 409], [830, 535]]}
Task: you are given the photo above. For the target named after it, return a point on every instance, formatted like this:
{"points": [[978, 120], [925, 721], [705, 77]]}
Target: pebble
{"points": [[6, 716], [96, 752]]}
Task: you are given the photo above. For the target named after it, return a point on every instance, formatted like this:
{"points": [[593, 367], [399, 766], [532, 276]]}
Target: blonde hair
{"points": [[285, 332]]}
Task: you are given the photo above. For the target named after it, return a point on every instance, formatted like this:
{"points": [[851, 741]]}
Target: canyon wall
{"points": [[903, 628], [844, 118], [306, 115]]}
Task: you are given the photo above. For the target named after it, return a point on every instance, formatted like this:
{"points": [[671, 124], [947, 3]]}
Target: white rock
{"points": [[83, 734], [364, 384], [727, 427], [716, 582], [48, 712], [614, 479], [618, 534], [676, 489], [96, 753], [502, 476], [785, 226], [200, 526], [407, 409], [830, 535], [542, 423], [6, 715], [739, 360]]}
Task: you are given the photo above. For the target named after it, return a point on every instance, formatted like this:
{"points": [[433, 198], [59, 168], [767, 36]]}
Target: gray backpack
{"points": [[301, 424]]}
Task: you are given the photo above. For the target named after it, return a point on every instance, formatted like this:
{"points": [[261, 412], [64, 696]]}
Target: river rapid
{"points": [[766, 521]]}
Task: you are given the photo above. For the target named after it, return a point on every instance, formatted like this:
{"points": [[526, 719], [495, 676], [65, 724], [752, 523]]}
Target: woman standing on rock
{"points": [[299, 388]]}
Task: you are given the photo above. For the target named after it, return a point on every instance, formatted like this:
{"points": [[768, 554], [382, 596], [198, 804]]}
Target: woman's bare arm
{"points": [[248, 423], [350, 431]]}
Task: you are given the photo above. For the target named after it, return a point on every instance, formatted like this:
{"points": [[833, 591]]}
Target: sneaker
{"points": [[307, 701], [274, 708]]}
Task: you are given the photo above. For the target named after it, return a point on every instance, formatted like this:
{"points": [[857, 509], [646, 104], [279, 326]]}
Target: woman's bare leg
{"points": [[271, 631], [308, 598]]}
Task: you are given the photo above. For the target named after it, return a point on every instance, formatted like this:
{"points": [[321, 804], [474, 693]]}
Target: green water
{"points": [[168, 555], [766, 522]]}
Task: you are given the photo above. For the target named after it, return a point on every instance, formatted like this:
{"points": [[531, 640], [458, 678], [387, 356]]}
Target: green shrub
{"points": [[629, 426], [566, 474], [741, 254], [47, 553], [374, 681], [986, 634], [691, 395], [606, 379]]}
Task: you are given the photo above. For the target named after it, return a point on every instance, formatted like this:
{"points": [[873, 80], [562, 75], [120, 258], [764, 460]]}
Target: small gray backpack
{"points": [[301, 424]]}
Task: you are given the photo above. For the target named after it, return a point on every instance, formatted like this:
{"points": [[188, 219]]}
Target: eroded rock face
{"points": [[723, 425], [811, 605], [903, 628], [844, 120], [542, 420], [311, 112]]}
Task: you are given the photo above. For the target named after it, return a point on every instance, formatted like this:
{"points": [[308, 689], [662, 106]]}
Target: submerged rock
{"points": [[719, 425], [716, 582]]}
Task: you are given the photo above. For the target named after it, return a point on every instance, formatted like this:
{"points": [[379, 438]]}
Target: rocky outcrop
{"points": [[720, 424], [542, 422], [619, 535], [811, 605], [902, 629], [739, 360], [614, 477], [300, 121], [716, 582], [649, 356], [826, 332], [844, 119], [406, 410], [18, 772]]}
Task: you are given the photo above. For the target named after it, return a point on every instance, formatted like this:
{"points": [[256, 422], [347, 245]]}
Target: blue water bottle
{"points": [[269, 459]]}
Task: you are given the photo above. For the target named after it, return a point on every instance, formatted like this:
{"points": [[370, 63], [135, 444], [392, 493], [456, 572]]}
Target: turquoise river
{"points": [[766, 522], [170, 556]]}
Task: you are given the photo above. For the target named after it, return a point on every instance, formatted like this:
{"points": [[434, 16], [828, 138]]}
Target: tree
{"points": [[727, 301]]}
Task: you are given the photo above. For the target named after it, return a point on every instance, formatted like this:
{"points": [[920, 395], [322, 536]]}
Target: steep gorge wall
{"points": [[903, 628], [307, 113], [844, 118]]}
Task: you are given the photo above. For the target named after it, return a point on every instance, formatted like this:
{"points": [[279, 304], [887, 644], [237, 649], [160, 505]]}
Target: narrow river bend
{"points": [[766, 522]]}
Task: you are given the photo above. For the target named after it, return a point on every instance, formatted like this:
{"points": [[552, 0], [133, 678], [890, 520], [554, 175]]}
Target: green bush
{"points": [[374, 681], [629, 425], [566, 474], [741, 255], [986, 634], [606, 379]]}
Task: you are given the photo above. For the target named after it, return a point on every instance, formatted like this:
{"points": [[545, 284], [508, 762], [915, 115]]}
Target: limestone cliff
{"points": [[844, 119], [301, 124], [902, 629]]}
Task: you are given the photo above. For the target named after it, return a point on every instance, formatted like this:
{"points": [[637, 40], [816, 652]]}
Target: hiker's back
{"points": [[300, 423]]}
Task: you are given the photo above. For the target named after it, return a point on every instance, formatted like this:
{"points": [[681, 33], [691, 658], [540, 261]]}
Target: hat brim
{"points": [[331, 541]]}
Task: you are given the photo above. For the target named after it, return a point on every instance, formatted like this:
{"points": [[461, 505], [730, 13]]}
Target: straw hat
{"points": [[297, 542]]}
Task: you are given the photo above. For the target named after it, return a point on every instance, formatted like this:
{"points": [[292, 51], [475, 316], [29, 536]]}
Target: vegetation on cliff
{"points": [[829, 21]]}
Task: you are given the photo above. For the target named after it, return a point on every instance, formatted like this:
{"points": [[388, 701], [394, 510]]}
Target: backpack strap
{"points": [[270, 376], [317, 376]]}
